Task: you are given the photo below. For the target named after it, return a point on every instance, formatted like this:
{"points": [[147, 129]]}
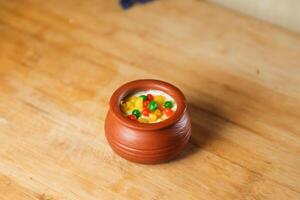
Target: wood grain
{"points": [[61, 60], [282, 13]]}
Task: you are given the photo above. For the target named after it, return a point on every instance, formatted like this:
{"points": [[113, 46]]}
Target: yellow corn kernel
{"points": [[152, 117], [133, 99], [143, 120], [159, 99], [138, 103], [158, 113], [129, 106]]}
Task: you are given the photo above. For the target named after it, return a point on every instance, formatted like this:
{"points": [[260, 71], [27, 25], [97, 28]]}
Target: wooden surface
{"points": [[61, 60], [283, 13]]}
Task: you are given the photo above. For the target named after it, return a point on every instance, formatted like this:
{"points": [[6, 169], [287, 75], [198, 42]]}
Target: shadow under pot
{"points": [[143, 141]]}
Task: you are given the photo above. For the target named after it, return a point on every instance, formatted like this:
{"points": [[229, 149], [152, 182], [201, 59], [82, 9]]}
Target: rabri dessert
{"points": [[149, 106]]}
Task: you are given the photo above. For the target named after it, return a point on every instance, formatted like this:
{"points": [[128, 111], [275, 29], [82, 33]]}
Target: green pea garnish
{"points": [[136, 113], [152, 105], [144, 97], [168, 104]]}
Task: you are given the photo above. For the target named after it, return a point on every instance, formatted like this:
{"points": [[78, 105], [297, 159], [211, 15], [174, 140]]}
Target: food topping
{"points": [[148, 106]]}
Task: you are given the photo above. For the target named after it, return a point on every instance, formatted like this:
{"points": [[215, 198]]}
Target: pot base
{"points": [[157, 157]]}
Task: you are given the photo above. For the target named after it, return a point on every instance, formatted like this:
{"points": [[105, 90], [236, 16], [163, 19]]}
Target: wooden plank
{"points": [[60, 61]]}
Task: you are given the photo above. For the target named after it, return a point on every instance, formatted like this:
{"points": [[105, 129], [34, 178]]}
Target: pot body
{"points": [[148, 146]]}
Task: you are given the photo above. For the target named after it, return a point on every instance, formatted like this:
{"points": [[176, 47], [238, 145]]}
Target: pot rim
{"points": [[143, 85]]}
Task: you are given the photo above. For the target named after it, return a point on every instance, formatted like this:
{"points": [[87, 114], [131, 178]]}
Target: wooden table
{"points": [[61, 60]]}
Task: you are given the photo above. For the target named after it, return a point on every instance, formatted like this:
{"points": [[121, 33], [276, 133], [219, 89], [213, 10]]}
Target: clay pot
{"points": [[144, 142]]}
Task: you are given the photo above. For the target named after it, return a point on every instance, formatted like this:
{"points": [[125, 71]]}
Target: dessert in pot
{"points": [[150, 106]]}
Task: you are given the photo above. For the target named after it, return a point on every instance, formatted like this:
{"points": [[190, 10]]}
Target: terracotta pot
{"points": [[144, 142]]}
